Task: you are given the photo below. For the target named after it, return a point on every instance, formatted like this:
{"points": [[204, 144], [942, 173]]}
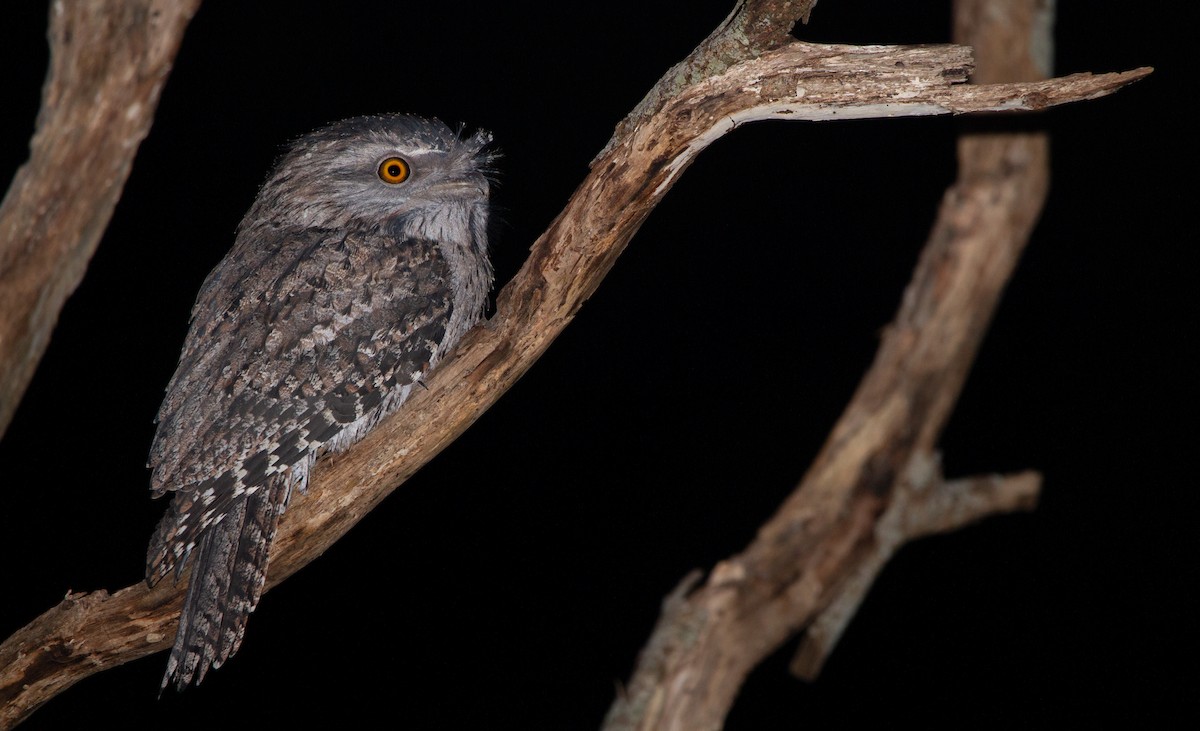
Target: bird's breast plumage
{"points": [[308, 356]]}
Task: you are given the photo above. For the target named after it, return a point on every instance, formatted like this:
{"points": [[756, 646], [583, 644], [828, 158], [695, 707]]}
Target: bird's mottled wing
{"points": [[302, 350]]}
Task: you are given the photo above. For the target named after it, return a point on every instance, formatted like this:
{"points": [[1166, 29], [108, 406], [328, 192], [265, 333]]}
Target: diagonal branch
{"points": [[89, 633], [924, 504], [109, 60]]}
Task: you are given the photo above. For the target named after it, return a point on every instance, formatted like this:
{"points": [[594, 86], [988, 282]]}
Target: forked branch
{"points": [[876, 483]]}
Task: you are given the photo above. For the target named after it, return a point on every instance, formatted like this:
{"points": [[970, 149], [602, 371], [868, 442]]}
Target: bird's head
{"points": [[374, 170]]}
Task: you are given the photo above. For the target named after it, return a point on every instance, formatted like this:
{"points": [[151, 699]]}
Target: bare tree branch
{"points": [[873, 486], [924, 504], [89, 633], [109, 60]]}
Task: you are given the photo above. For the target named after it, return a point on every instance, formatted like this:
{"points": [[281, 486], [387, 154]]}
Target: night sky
{"points": [[510, 584]]}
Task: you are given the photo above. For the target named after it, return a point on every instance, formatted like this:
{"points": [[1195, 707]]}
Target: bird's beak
{"points": [[471, 187]]}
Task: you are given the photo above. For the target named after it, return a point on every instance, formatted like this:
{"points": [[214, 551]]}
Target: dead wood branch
{"points": [[874, 485], [109, 60], [924, 504], [782, 79]]}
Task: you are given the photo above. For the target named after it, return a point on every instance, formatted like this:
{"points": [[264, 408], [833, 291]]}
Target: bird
{"points": [[359, 266]]}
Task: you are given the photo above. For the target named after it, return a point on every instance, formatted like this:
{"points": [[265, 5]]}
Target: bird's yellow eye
{"points": [[393, 170]]}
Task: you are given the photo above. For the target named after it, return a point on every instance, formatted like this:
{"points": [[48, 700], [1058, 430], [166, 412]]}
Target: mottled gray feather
{"points": [[341, 292]]}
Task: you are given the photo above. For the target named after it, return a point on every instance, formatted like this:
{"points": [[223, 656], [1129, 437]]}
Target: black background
{"points": [[511, 582]]}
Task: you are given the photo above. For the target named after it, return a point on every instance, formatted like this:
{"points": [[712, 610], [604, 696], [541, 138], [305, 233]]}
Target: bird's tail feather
{"points": [[229, 568]]}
